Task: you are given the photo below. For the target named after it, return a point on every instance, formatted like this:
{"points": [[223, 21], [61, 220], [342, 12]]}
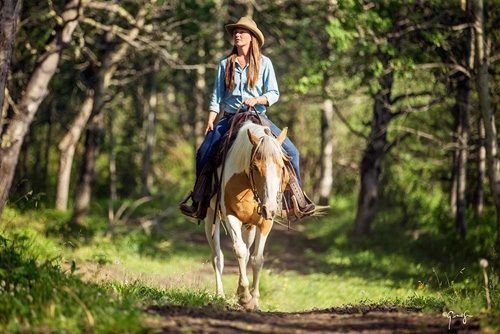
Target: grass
{"points": [[49, 282], [39, 295], [100, 282]]}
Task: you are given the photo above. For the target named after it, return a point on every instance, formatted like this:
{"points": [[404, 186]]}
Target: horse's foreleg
{"points": [[212, 232], [258, 259], [248, 234], [241, 254]]}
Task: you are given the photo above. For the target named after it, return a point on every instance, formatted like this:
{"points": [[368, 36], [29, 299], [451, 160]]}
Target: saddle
{"points": [[208, 184]]}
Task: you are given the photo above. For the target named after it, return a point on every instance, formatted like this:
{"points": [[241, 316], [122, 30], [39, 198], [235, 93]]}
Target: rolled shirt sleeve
{"points": [[219, 90], [270, 83]]}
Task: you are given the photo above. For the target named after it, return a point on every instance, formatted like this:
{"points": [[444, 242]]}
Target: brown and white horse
{"points": [[252, 185]]}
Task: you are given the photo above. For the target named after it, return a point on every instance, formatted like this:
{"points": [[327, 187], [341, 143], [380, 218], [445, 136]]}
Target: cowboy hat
{"points": [[248, 24]]}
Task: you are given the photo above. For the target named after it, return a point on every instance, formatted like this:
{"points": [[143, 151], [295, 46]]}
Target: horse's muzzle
{"points": [[268, 211]]}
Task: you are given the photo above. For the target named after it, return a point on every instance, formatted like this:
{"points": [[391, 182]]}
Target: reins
{"points": [[250, 177]]}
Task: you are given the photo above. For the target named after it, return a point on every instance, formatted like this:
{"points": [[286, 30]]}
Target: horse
{"points": [[252, 184]]}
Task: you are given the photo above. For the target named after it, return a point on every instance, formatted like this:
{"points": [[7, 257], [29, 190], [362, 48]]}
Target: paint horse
{"points": [[252, 185]]}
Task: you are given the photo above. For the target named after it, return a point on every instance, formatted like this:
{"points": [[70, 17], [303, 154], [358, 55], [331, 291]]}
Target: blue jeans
{"points": [[213, 138]]}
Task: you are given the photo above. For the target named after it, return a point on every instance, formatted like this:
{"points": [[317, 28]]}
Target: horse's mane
{"points": [[242, 147]]}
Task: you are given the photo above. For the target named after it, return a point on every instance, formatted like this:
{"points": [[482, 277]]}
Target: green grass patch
{"points": [[154, 295], [426, 268], [37, 294]]}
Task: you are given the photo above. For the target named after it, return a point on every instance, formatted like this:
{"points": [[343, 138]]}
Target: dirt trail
{"points": [[355, 319], [363, 319]]}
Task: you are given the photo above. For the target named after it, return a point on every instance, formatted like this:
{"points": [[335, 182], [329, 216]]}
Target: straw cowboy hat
{"points": [[249, 24]]}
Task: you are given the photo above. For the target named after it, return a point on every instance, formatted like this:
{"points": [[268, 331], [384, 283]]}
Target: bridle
{"points": [[251, 179]]}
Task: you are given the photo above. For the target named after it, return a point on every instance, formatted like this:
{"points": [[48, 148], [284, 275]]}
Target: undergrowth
{"points": [[37, 294], [42, 288]]}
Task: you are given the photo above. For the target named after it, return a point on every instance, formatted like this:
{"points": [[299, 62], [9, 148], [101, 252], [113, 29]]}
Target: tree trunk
{"points": [[112, 175], [21, 186], [249, 8], [35, 175], [481, 172], [454, 172], [462, 108], [325, 181], [372, 159], [36, 90], [67, 146], [200, 114], [86, 180], [83, 192], [9, 13], [94, 132], [222, 17], [486, 111], [44, 184], [149, 133]]}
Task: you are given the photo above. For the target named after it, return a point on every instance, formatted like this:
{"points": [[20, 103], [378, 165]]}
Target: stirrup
{"points": [[296, 212], [198, 212]]}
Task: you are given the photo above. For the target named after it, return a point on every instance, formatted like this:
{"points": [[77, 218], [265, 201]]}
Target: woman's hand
{"points": [[210, 122], [210, 127], [251, 101]]}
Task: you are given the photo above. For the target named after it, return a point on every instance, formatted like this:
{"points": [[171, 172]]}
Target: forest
{"points": [[391, 103]]}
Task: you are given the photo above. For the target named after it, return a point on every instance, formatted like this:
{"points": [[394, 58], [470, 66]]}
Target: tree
{"points": [[110, 61], [461, 85], [9, 13], [386, 48], [67, 148], [325, 180], [377, 146], [150, 110], [35, 92], [461, 110], [491, 142], [481, 172]]}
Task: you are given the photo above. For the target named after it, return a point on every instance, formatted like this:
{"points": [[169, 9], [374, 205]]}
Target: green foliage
{"points": [[426, 269], [413, 302], [37, 294], [153, 295], [342, 38]]}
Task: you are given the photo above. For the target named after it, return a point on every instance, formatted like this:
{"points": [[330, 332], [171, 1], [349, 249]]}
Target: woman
{"points": [[244, 78]]}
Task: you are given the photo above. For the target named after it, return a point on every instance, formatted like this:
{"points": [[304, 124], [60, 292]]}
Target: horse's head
{"points": [[268, 176]]}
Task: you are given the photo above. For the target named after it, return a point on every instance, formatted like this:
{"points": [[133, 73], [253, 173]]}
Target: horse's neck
{"points": [[232, 166]]}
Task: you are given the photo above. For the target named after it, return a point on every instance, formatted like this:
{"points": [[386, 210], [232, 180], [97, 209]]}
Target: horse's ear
{"points": [[253, 138], [282, 135]]}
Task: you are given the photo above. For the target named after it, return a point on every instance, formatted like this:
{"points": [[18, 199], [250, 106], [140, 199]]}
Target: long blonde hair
{"points": [[253, 67]]}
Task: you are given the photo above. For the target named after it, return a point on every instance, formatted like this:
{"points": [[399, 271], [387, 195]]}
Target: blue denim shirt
{"points": [[266, 85]]}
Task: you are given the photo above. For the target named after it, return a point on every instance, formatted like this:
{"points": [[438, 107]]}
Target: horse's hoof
{"points": [[250, 305]]}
